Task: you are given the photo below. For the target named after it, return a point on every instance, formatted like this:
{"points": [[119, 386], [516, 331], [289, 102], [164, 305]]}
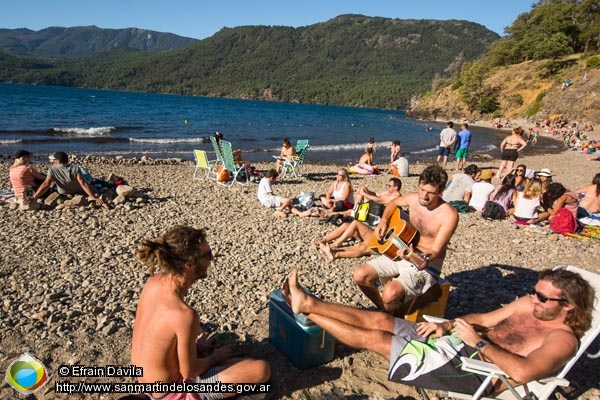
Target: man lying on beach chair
{"points": [[531, 338]]}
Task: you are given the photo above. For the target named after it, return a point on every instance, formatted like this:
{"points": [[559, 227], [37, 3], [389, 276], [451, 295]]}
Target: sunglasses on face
{"points": [[544, 299], [208, 255], [520, 170]]}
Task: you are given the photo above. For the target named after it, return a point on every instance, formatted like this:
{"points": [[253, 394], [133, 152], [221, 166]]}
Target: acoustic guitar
{"points": [[400, 235]]}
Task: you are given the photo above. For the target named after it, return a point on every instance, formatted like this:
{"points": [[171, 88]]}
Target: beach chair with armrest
{"points": [[291, 165], [204, 169], [237, 174], [540, 389]]}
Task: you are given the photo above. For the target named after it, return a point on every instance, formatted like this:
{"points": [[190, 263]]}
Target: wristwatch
{"points": [[481, 344]]}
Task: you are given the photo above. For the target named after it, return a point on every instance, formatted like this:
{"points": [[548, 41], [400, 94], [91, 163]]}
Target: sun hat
{"points": [[22, 153], [486, 174], [544, 172]]}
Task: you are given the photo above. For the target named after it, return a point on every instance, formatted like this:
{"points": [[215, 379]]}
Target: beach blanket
{"points": [[589, 232]]}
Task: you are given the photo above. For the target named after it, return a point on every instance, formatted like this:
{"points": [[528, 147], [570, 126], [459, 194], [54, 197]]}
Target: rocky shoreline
{"points": [[70, 283]]}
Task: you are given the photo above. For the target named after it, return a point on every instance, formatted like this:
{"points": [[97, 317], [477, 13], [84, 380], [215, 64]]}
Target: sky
{"points": [[200, 19]]}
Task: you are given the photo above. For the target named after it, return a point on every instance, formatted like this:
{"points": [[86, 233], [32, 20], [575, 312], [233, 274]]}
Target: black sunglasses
{"points": [[544, 299]]}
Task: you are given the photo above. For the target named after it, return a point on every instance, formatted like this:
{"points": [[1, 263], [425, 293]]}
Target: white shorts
{"points": [[271, 201], [414, 282]]}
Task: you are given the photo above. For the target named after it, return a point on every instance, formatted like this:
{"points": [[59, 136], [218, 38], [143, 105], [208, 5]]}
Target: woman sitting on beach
{"points": [[287, 150], [365, 165], [526, 203], [589, 198], [340, 196], [559, 197], [521, 179], [510, 148], [23, 175], [503, 194]]}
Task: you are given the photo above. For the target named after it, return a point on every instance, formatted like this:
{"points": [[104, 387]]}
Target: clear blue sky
{"points": [[201, 18]]}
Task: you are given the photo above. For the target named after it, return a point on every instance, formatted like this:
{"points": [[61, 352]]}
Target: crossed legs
{"points": [[361, 329]]}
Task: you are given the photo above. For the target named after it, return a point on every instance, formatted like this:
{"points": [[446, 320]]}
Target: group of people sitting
{"points": [[63, 177], [527, 197], [168, 344]]}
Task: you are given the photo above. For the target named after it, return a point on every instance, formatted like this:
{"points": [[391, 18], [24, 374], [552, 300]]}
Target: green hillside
{"points": [[350, 60]]}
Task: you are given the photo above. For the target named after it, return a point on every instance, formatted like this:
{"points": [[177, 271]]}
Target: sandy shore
{"points": [[70, 283]]}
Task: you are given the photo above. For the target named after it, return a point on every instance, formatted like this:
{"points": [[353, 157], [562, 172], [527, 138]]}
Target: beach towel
{"points": [[589, 232]]}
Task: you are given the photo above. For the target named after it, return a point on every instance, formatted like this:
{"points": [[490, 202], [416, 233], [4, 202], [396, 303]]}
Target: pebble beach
{"points": [[70, 283]]}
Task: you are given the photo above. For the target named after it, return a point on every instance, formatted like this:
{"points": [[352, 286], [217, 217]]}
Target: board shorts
{"points": [[443, 151], [271, 201], [431, 363], [510, 155], [462, 153], [414, 282]]}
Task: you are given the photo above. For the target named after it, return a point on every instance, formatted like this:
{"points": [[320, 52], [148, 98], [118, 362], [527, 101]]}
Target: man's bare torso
{"points": [[522, 333], [154, 343], [427, 222]]}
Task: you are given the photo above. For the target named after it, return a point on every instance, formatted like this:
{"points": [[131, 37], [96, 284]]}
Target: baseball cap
{"points": [[60, 156], [22, 153]]}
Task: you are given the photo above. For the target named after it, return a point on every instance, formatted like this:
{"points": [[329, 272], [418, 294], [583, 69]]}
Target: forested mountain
{"points": [[523, 73], [349, 60], [85, 41]]}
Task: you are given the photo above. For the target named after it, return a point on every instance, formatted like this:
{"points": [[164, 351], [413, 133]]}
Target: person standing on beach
{"points": [[168, 342], [532, 337], [510, 148], [464, 140], [447, 139], [413, 274]]}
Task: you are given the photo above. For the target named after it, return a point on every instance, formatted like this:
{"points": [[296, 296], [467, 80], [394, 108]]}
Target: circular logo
{"points": [[26, 374]]}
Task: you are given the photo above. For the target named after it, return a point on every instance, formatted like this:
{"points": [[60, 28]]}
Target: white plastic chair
{"points": [[540, 389]]}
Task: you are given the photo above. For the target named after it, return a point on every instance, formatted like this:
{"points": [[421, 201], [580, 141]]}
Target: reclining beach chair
{"points": [[540, 389], [219, 156], [237, 174], [204, 169], [291, 165]]}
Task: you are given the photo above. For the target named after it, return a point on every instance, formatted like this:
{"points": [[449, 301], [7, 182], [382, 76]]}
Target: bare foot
{"points": [[280, 214], [298, 296], [324, 247]]}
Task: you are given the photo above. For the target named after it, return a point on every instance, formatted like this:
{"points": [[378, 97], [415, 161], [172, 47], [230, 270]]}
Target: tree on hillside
{"points": [[553, 28]]}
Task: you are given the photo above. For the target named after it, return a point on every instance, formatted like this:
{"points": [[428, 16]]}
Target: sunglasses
{"points": [[544, 299], [520, 170], [209, 256]]}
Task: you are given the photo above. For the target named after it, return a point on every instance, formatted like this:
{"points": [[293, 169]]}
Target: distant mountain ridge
{"points": [[83, 41], [350, 60]]}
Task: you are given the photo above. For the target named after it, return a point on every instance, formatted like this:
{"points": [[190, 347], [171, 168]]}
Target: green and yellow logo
{"points": [[26, 374]]}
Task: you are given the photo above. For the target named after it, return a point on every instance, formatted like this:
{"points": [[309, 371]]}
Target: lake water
{"points": [[45, 119]]}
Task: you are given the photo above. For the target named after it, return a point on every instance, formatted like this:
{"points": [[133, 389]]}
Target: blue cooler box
{"points": [[303, 342]]}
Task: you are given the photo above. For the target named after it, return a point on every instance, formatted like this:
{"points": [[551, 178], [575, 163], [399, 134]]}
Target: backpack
{"points": [[563, 222], [369, 212], [492, 210]]}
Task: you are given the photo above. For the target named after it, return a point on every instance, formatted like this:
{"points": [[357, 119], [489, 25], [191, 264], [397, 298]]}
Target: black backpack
{"points": [[492, 210]]}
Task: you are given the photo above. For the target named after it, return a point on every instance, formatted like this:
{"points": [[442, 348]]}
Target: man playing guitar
{"points": [[436, 221]]}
